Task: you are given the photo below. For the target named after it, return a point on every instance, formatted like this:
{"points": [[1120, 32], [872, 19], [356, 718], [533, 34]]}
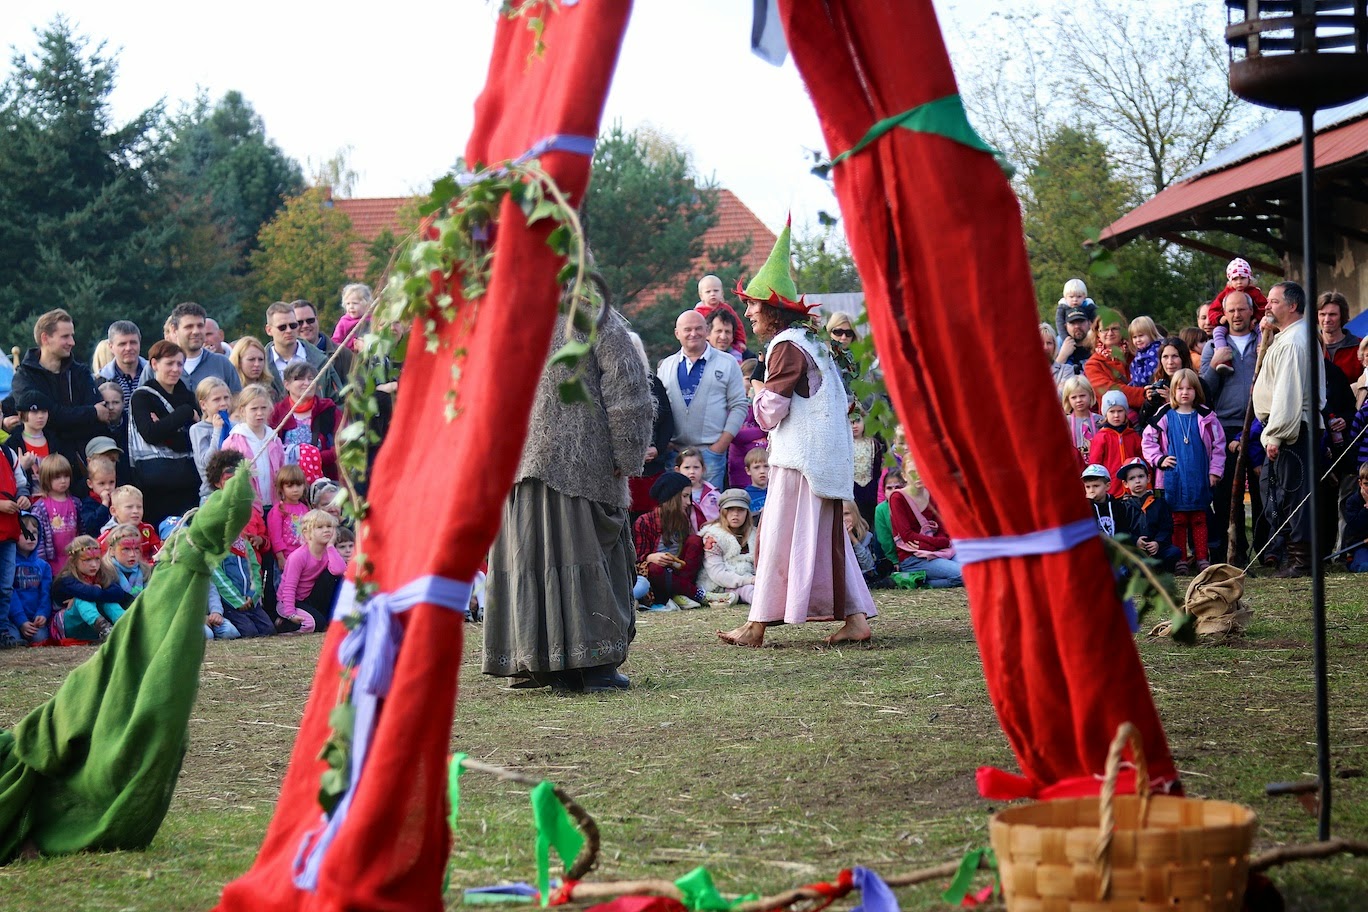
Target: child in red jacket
{"points": [[1239, 277], [1115, 442]]}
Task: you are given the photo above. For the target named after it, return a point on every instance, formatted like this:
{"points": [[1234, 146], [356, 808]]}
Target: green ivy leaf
{"points": [[543, 210], [573, 390], [570, 353], [342, 719], [443, 191], [559, 240]]}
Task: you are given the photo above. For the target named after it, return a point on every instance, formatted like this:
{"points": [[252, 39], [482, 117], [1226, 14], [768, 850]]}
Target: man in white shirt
{"points": [[1280, 403]]}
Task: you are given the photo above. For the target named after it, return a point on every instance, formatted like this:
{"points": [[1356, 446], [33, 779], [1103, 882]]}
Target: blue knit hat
{"points": [[1113, 398]]}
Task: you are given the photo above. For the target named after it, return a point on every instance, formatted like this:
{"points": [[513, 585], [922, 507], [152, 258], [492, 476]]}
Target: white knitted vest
{"points": [[814, 437]]}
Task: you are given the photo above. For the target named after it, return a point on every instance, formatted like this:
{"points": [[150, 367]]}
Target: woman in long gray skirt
{"points": [[560, 610]]}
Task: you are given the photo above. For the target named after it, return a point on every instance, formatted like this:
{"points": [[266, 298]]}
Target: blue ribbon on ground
{"points": [[875, 895], [371, 647], [1031, 544]]}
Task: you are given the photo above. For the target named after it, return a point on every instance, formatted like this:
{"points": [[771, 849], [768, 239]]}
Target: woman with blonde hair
{"points": [[249, 357], [840, 326], [102, 357]]}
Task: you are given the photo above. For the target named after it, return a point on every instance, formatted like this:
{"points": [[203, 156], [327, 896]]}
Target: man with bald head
{"points": [[1229, 373], [213, 338], [707, 395]]}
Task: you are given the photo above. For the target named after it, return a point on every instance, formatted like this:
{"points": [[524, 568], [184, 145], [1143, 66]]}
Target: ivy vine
{"points": [[439, 275]]}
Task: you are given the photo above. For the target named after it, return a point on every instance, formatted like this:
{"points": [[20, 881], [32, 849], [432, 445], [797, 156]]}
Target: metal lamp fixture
{"points": [[1303, 55]]}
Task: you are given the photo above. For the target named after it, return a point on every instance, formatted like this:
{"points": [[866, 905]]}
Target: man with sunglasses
{"points": [[287, 347], [307, 315], [201, 362]]}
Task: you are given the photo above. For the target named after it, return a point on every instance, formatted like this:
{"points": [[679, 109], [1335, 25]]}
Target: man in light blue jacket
{"points": [[707, 395]]}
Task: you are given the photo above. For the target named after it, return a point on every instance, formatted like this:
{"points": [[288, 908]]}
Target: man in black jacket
{"points": [[78, 412]]}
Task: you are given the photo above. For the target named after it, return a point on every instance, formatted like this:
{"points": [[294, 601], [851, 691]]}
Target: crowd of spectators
{"points": [[1183, 435], [1172, 432], [103, 461]]}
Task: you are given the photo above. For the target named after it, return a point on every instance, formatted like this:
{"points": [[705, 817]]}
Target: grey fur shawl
{"points": [[575, 447]]}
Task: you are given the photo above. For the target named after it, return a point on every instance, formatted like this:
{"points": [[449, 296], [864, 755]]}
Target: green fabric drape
{"points": [[554, 828], [96, 765], [943, 116]]}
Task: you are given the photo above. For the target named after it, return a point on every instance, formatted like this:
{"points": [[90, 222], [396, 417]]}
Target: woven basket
{"points": [[1127, 853]]}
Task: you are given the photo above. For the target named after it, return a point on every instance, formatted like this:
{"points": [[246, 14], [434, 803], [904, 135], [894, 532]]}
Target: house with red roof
{"points": [[735, 222]]}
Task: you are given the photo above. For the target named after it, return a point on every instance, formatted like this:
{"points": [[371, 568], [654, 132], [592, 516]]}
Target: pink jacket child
{"points": [[263, 470], [1155, 444], [301, 574], [344, 326]]}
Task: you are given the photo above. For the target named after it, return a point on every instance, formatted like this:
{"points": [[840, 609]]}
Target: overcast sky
{"points": [[397, 84]]}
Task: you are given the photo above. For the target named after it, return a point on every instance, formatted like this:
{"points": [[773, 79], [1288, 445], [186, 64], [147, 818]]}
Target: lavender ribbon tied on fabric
{"points": [[371, 647]]}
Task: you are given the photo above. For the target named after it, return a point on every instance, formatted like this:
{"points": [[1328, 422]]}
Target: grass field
{"points": [[772, 768]]}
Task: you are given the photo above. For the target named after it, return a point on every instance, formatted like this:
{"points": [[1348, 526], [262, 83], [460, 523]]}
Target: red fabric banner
{"points": [[936, 234], [392, 848]]}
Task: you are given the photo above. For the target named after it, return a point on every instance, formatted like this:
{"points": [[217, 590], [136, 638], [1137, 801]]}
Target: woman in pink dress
{"points": [[805, 565]]}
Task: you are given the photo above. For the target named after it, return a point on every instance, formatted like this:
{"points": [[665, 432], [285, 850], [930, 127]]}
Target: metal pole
{"points": [[1313, 467]]}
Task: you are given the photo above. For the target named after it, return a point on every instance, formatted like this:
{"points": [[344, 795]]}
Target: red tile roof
{"points": [[369, 217], [1166, 209], [735, 222]]}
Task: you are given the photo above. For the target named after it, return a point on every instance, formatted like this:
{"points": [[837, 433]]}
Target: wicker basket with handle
{"points": [[1124, 853]]}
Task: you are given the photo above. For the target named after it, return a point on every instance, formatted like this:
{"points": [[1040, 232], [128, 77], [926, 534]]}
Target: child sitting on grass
{"points": [[236, 593], [669, 553], [30, 604], [100, 483], [59, 515], [875, 571], [308, 582], [728, 573], [123, 557], [893, 481], [89, 591], [126, 506]]}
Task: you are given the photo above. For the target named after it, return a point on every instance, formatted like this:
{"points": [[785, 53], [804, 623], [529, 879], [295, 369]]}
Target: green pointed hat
{"points": [[774, 284]]}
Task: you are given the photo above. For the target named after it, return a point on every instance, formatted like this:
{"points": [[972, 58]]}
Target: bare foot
{"points": [[750, 634], [855, 630]]}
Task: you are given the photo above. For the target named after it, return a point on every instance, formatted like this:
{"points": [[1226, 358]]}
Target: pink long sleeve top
{"points": [[302, 570], [282, 527]]}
